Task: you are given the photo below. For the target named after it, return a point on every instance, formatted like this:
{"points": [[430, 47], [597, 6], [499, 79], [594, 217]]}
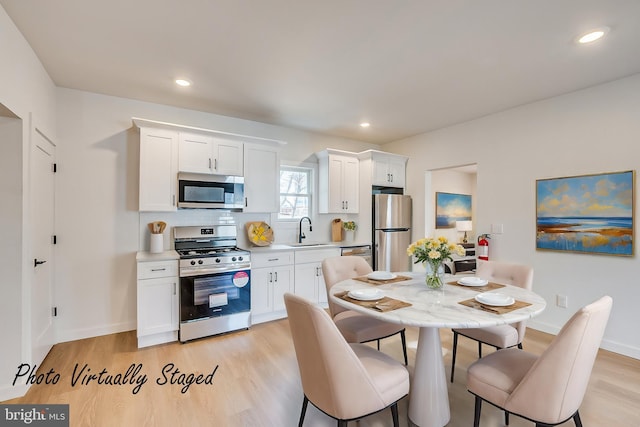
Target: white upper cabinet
{"points": [[158, 170], [228, 157], [338, 181], [196, 153], [261, 178], [166, 149], [201, 153], [387, 169]]}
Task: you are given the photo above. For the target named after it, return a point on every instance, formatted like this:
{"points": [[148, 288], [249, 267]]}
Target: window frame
{"points": [[310, 169]]}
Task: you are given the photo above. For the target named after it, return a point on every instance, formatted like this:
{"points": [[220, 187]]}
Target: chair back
{"points": [[333, 378], [553, 389], [510, 274], [336, 269]]}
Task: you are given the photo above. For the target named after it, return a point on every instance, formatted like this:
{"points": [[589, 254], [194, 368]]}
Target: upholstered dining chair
{"points": [[356, 327], [345, 381], [548, 389], [501, 336]]}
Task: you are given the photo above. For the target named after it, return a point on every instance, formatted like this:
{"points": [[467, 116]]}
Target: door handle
{"points": [[276, 274], [270, 277], [37, 263], [210, 163]]}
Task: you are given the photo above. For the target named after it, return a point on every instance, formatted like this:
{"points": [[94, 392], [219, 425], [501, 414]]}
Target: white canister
{"points": [[156, 243]]}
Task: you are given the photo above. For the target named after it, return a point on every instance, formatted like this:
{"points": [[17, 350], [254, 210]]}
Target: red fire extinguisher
{"points": [[483, 247]]}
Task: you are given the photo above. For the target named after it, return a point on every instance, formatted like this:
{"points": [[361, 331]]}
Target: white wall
{"points": [[589, 131], [28, 93], [98, 225]]}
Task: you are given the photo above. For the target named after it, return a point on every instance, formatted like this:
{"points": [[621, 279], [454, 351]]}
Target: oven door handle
{"points": [[200, 271]]}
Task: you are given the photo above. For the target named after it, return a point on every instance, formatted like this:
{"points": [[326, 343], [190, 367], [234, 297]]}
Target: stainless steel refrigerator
{"points": [[391, 232]]}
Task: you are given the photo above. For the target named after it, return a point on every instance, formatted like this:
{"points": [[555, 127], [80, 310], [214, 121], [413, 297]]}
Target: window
{"points": [[295, 192]]}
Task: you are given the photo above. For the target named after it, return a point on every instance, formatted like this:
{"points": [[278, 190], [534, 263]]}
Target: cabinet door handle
{"points": [[215, 164], [274, 259], [276, 274], [173, 200], [270, 277], [391, 177], [347, 204], [388, 177], [159, 269], [209, 162], [246, 202]]}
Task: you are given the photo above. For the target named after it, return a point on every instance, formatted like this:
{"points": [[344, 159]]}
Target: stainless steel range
{"points": [[215, 281]]}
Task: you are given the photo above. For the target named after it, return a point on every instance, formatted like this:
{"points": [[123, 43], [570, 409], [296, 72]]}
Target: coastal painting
{"points": [[586, 214], [451, 207]]}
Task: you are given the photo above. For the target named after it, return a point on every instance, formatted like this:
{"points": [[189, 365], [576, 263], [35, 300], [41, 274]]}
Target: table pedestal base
{"points": [[429, 395]]}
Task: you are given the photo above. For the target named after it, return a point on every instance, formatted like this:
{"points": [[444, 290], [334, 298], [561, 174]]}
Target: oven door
{"points": [[214, 295]]}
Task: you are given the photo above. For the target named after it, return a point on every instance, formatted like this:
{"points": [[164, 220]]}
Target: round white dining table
{"points": [[429, 311]]}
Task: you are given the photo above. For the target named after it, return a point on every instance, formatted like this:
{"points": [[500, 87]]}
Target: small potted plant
{"points": [[350, 227]]}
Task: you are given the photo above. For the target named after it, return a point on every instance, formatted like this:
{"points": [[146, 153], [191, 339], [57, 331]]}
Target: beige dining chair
{"points": [[356, 327], [500, 336], [548, 389], [345, 381]]}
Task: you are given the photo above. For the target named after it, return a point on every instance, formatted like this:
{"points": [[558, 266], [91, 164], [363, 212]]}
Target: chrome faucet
{"points": [[301, 234]]}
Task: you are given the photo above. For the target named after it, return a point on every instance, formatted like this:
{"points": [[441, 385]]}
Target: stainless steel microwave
{"points": [[210, 191]]}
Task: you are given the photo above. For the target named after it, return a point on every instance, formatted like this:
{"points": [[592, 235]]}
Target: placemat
{"points": [[493, 309], [488, 287], [381, 282], [383, 305]]}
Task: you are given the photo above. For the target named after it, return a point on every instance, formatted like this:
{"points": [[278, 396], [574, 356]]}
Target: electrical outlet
{"points": [[562, 301], [497, 228]]}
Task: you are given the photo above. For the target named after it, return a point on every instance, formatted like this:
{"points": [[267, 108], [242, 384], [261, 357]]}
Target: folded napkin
{"points": [[488, 287], [384, 304], [493, 309], [381, 282]]}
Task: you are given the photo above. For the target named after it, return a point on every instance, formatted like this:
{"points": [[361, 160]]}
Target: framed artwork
{"points": [[587, 214], [451, 207]]}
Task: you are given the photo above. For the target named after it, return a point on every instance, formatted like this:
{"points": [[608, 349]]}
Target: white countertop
{"points": [[291, 247], [162, 256]]}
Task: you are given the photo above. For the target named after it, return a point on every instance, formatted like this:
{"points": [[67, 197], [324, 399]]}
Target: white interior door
{"points": [[42, 226]]}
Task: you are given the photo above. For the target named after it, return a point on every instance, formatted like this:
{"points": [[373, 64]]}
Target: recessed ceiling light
{"points": [[183, 82], [365, 124], [593, 35]]}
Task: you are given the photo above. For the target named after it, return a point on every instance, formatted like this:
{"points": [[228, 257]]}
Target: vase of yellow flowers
{"points": [[433, 252]]}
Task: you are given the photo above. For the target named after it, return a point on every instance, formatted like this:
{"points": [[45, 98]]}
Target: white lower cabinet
{"points": [[158, 309], [309, 281], [271, 278]]}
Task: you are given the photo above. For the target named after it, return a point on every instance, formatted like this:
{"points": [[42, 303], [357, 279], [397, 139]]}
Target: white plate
{"points": [[381, 275], [472, 281], [366, 294], [495, 299]]}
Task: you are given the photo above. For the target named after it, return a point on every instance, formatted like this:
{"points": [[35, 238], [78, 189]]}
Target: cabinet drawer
{"points": [[273, 259], [152, 270], [315, 255]]}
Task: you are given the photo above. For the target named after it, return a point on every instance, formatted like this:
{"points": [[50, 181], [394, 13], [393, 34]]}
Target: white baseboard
{"points": [[80, 334], [610, 345]]}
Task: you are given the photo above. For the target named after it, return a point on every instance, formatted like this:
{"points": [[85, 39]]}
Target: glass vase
{"points": [[435, 275]]}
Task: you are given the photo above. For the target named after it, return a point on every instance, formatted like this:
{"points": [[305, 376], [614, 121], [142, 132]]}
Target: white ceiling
{"points": [[405, 66]]}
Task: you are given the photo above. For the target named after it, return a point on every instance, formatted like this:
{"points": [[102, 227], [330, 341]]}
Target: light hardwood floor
{"points": [[257, 383]]}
